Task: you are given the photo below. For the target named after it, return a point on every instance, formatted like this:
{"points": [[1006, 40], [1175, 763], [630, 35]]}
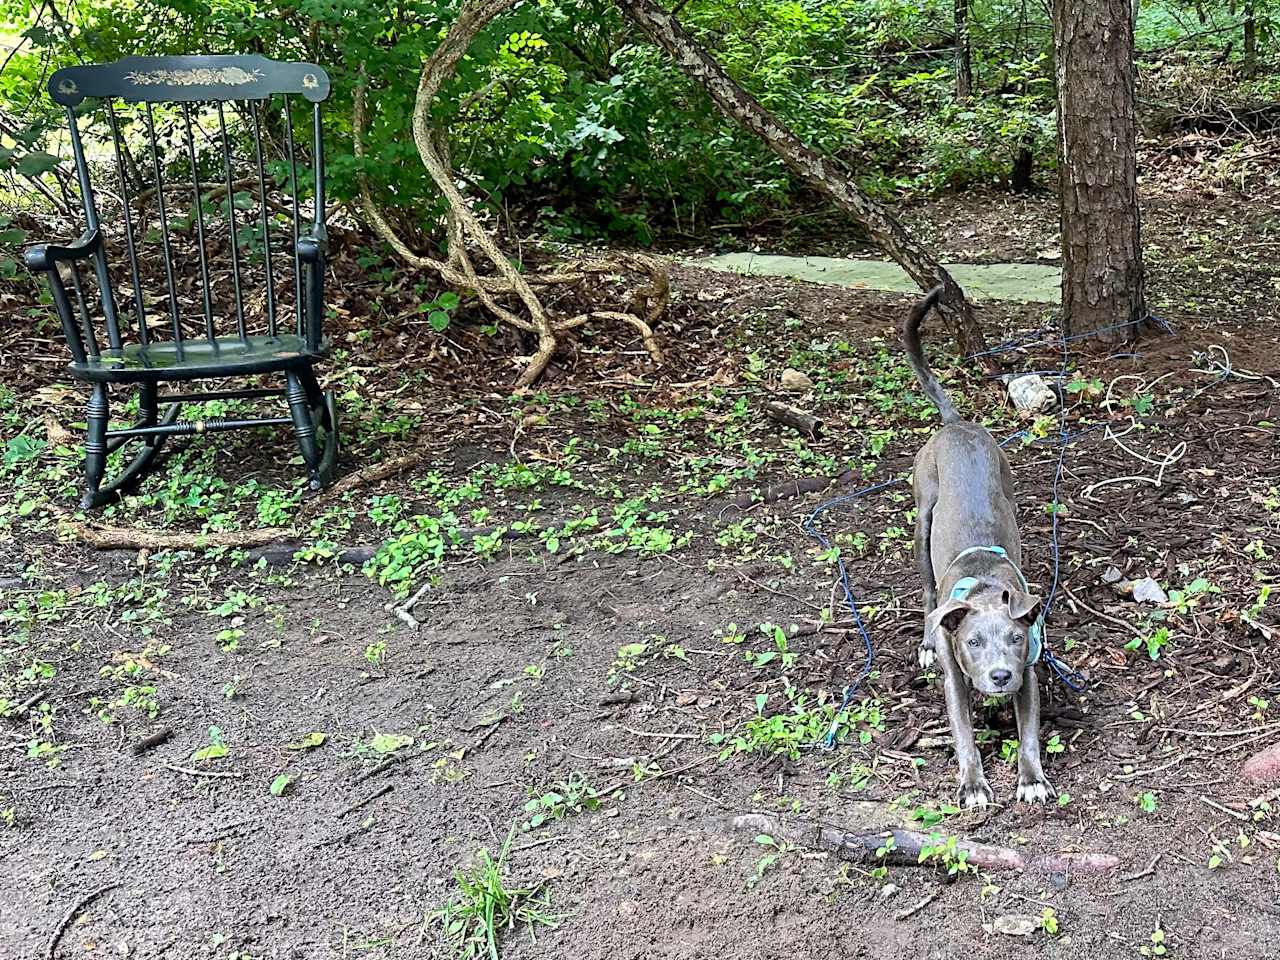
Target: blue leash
{"points": [[1067, 675]]}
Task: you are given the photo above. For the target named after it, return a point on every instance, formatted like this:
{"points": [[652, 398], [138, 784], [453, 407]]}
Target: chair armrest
{"points": [[313, 245], [45, 256]]}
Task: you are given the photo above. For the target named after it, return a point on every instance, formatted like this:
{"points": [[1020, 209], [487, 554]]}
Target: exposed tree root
{"points": [[466, 232]]}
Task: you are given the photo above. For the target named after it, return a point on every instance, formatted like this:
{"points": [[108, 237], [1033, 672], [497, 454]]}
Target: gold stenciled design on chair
{"points": [[67, 87], [310, 81], [195, 77]]}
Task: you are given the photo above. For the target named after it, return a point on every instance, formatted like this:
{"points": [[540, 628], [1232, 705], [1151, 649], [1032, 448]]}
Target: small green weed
{"points": [[485, 908]]}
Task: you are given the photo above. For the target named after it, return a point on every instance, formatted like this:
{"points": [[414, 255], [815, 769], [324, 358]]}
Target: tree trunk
{"points": [[1024, 165], [1250, 38], [1102, 289], [738, 104], [964, 60]]}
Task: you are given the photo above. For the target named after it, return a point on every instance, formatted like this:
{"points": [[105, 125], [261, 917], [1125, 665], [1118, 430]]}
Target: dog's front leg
{"points": [[1033, 786], [974, 789]]}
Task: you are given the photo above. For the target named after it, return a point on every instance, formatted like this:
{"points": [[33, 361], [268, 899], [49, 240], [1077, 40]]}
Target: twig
{"points": [[661, 736], [912, 911], [403, 612], [219, 831], [52, 949], [201, 773], [386, 764], [384, 789], [1098, 613], [1267, 728], [1221, 809], [21, 709], [1126, 777], [1151, 868]]}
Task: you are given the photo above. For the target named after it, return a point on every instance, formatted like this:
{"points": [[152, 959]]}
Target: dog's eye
{"points": [[975, 642]]}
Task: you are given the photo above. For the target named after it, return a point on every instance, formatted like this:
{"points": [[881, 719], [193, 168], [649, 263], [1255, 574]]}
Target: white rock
{"points": [[794, 381], [1147, 590], [1017, 924], [1031, 392]]}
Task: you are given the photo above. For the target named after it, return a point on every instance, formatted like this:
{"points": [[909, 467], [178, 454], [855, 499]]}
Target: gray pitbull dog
{"points": [[985, 633]]}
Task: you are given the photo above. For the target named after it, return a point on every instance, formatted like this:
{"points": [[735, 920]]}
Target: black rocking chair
{"points": [[179, 110]]}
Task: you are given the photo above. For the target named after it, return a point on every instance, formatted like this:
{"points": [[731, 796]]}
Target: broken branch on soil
{"points": [[384, 789], [863, 846], [201, 773], [912, 911], [102, 537], [151, 742], [362, 478], [907, 847], [1151, 868], [404, 611], [79, 905], [786, 414], [34, 700]]}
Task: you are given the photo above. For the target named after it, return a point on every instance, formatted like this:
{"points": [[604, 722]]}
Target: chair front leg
{"points": [[303, 424], [95, 447], [148, 409]]}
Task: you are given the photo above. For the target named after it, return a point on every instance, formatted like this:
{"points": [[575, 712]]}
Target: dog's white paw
{"points": [[927, 657], [975, 791], [1035, 790]]}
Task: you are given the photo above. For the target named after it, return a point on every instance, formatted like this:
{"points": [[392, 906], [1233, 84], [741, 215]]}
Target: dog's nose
{"points": [[1001, 678]]}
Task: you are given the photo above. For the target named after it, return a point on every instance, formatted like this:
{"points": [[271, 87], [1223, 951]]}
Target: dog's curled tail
{"points": [[915, 354]]}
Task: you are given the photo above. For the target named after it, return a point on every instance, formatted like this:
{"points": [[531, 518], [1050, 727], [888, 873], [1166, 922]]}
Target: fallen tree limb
{"points": [[782, 491], [362, 478], [873, 846], [796, 419], [103, 537], [737, 104]]}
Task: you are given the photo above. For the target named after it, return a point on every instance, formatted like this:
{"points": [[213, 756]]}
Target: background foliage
{"points": [[563, 120]]}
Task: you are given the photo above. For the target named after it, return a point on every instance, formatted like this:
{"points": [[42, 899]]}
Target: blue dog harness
{"points": [[1035, 635]]}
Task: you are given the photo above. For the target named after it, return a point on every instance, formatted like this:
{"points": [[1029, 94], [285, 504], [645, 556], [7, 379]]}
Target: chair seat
{"points": [[194, 359]]}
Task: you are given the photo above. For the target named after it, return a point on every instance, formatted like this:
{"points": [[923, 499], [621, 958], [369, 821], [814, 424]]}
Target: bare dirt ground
{"points": [[616, 647]]}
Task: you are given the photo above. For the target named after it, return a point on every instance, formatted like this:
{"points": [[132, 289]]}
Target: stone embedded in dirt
{"points": [[793, 381], [1147, 590], [1111, 575], [1017, 924], [1264, 766]]}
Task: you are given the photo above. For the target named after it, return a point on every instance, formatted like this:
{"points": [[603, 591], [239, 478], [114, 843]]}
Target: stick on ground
{"points": [[70, 915], [784, 413]]}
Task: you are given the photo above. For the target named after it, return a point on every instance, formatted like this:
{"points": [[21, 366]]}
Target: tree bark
{"points": [[1250, 38], [1102, 281], [739, 105], [963, 55]]}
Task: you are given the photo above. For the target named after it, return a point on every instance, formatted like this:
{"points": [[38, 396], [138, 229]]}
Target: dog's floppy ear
{"points": [[1023, 607], [949, 615]]}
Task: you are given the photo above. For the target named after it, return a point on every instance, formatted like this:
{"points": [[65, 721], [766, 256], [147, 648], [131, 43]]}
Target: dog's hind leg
{"points": [[924, 558]]}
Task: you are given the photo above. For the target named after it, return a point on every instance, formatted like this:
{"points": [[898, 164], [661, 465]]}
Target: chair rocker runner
{"points": [[174, 338]]}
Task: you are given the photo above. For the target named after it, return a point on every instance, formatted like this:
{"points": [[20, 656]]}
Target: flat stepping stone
{"points": [[1018, 282]]}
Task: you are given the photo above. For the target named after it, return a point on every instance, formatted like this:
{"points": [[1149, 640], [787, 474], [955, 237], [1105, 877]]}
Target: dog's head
{"points": [[988, 636]]}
